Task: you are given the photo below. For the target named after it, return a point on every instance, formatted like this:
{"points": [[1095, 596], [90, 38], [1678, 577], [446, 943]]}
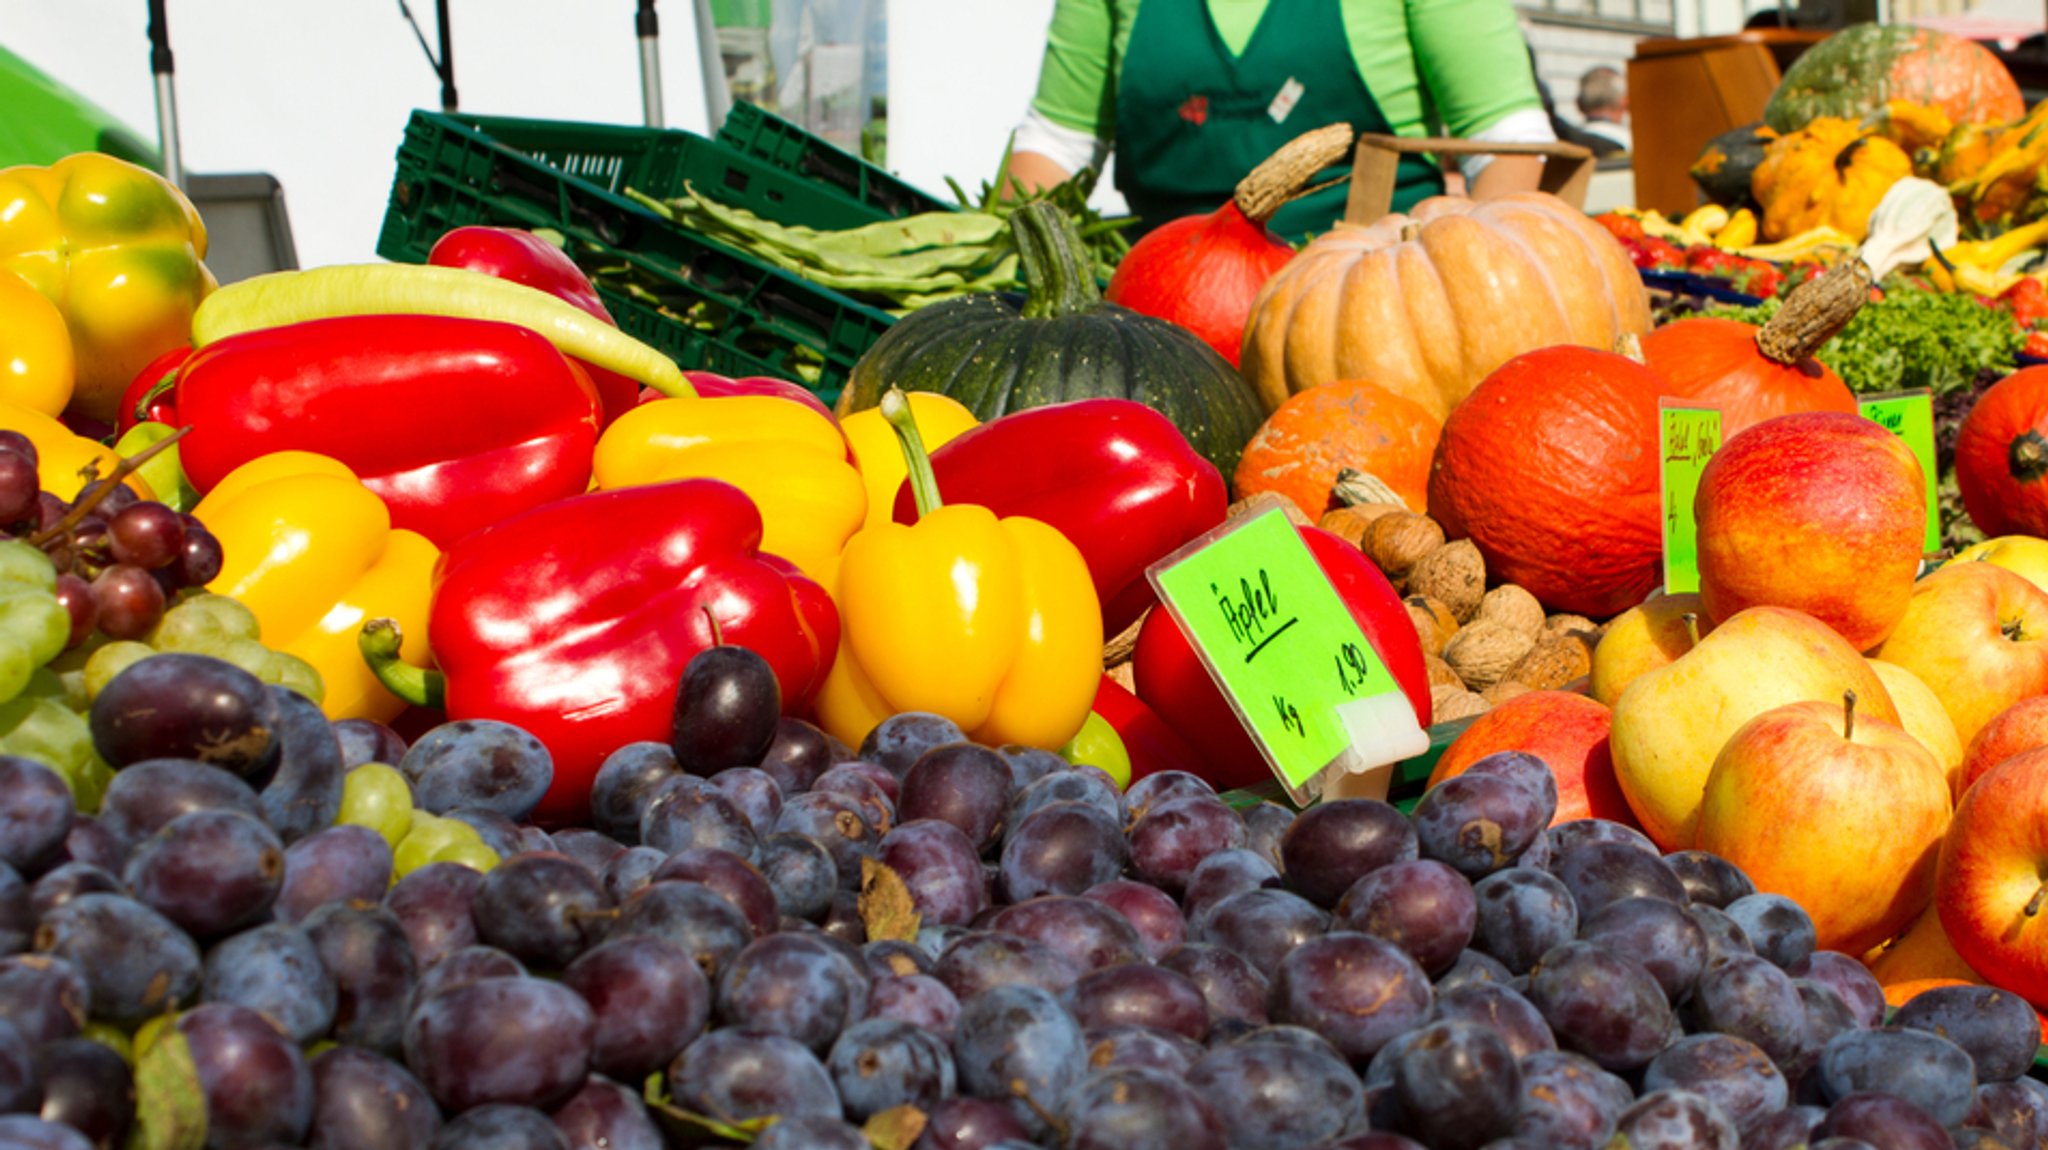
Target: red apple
{"points": [[2020, 727], [1839, 812], [1567, 731], [1978, 635], [1821, 511], [1989, 885]]}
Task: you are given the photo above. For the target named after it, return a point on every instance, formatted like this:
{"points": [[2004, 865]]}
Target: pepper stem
{"points": [[379, 641], [924, 485]]}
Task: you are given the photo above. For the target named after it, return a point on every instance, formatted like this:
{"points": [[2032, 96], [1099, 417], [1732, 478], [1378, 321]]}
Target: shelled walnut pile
{"points": [[1483, 646]]}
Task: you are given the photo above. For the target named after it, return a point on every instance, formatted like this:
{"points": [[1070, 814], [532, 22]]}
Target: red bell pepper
{"points": [[1172, 681], [575, 621], [1151, 745], [152, 396], [525, 258], [1117, 478], [456, 423]]}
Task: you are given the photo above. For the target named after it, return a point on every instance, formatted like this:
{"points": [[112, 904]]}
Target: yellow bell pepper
{"points": [[991, 622], [940, 419], [36, 362], [62, 456], [788, 458], [312, 553], [118, 250]]}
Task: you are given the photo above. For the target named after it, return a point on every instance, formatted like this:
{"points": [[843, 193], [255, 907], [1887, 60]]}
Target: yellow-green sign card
{"points": [[1910, 416], [1690, 436]]}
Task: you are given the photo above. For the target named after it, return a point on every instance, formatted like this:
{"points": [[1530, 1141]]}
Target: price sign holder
{"points": [[1690, 435], [1281, 645], [1910, 416]]}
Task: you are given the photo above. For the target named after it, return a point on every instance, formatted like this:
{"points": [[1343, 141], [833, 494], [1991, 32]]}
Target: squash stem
{"points": [[1059, 275], [924, 484], [379, 641]]}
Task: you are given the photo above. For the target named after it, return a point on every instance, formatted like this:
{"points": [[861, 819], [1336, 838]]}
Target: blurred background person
{"points": [[1603, 101]]}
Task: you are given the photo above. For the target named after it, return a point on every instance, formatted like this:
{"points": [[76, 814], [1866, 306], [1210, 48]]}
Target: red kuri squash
{"points": [[1202, 272], [1755, 373], [1550, 467], [2002, 456]]}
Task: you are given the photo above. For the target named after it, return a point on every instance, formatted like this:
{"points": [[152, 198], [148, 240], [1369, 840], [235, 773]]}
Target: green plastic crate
{"points": [[727, 312], [763, 135]]}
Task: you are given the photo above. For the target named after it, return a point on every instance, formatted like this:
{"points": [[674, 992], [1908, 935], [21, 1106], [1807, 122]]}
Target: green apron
{"points": [[1192, 119]]}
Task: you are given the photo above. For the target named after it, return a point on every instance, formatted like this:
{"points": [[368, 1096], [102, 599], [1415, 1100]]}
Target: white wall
{"points": [[317, 94]]}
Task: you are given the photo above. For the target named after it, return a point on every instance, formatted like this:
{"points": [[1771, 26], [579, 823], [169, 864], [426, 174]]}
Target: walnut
{"points": [[1483, 652], [1504, 690], [1350, 523], [1449, 703], [1434, 623], [1512, 605], [1453, 575], [1440, 673], [1554, 662], [1398, 540]]}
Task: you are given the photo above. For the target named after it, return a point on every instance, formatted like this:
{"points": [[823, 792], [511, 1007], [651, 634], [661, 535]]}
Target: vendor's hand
{"points": [[1033, 172], [1507, 175]]}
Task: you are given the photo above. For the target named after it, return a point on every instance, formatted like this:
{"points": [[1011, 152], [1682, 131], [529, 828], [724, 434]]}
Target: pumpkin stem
{"points": [[1059, 278], [1814, 312], [2027, 458], [924, 485], [1284, 175], [1629, 345], [1354, 487]]}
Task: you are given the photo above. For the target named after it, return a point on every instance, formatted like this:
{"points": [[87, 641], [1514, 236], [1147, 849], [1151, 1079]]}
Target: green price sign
{"points": [[1691, 436], [1286, 652], [1910, 416]]}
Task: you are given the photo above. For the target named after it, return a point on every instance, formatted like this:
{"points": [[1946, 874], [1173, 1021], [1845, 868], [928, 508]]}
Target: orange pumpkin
{"points": [[1755, 373], [1301, 447], [2002, 456], [1426, 304], [1551, 469]]}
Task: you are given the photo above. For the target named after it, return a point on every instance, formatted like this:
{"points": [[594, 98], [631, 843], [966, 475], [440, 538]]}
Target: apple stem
{"points": [[1848, 714], [1692, 627], [2034, 903]]}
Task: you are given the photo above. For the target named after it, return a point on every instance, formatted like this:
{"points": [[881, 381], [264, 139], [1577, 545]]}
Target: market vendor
{"points": [[1194, 93]]}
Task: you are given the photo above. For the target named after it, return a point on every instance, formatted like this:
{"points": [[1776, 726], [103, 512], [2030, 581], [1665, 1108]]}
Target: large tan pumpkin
{"points": [[1427, 304]]}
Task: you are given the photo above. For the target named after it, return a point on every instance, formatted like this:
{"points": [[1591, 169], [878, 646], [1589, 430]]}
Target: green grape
{"points": [[318, 1047], [89, 784], [376, 795], [288, 670], [228, 614], [474, 855], [35, 619], [47, 731], [74, 688], [188, 632], [23, 564], [248, 654], [429, 835], [16, 665], [110, 661]]}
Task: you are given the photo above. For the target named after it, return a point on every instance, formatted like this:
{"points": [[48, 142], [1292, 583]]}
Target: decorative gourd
{"points": [[1853, 72], [1992, 170], [1754, 373], [1830, 173], [1302, 447], [1725, 165], [1202, 272], [2002, 456], [1918, 129], [1063, 343], [1426, 304], [1551, 468]]}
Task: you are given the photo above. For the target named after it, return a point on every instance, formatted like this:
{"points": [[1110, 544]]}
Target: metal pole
{"points": [[717, 95], [166, 96], [649, 29], [447, 61]]}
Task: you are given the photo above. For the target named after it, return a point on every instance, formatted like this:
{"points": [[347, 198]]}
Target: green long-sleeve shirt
{"points": [[1460, 66]]}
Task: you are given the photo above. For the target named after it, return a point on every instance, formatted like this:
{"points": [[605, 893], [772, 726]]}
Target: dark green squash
{"points": [[1064, 343], [1726, 163]]}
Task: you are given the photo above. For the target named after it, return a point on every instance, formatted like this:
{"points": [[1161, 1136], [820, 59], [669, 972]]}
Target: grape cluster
{"points": [[768, 936]]}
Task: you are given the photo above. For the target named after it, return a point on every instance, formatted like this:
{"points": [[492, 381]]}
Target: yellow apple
{"points": [[1923, 716], [1923, 952], [1978, 635], [1672, 721], [2023, 555], [1838, 811], [1644, 638]]}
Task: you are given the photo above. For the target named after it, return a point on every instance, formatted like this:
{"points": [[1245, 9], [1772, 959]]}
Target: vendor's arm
{"points": [[1073, 116], [1474, 63]]}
